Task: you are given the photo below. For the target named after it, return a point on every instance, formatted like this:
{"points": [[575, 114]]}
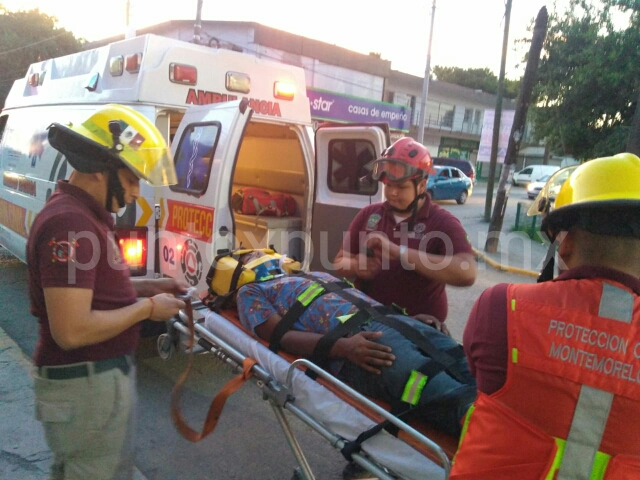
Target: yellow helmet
{"points": [[114, 134], [602, 196], [543, 203]]}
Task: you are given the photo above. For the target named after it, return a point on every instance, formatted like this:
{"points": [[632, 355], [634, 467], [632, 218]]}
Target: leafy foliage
{"points": [[477, 78], [588, 80], [27, 37]]}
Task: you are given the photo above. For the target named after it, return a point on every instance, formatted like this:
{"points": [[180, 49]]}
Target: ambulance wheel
{"points": [[166, 347]]}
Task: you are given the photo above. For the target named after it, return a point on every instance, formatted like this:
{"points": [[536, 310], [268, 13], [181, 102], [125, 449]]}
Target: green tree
{"points": [[588, 80], [27, 37], [476, 78]]}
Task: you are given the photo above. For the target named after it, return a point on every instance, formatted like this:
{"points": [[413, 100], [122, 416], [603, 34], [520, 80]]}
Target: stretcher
{"points": [[327, 405]]}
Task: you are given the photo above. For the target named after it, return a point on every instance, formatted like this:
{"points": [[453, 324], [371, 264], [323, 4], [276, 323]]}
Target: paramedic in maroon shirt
{"points": [[84, 300], [541, 394], [405, 250]]}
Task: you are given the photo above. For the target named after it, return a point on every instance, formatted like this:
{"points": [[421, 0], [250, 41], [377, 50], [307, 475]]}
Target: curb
{"points": [[498, 266]]}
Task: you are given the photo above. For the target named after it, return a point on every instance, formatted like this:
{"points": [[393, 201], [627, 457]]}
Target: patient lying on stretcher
{"points": [[376, 350]]}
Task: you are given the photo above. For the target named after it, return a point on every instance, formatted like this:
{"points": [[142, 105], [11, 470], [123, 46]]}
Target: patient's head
{"points": [[251, 256]]}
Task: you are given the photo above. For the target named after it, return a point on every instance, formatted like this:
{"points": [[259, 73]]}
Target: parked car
{"points": [[533, 189], [464, 165], [449, 183], [532, 173], [550, 190]]}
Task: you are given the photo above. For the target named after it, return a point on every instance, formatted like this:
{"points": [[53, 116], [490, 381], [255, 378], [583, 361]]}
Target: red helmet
{"points": [[406, 159]]}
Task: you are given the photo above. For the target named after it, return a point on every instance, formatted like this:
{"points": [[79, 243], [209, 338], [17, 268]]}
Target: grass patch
{"points": [[533, 233]]}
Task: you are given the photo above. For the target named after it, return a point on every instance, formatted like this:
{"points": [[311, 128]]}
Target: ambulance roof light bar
{"points": [[237, 82], [116, 65], [283, 90], [132, 62], [184, 74]]}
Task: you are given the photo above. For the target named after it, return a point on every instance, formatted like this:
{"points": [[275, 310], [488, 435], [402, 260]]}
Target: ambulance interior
{"points": [[270, 158]]}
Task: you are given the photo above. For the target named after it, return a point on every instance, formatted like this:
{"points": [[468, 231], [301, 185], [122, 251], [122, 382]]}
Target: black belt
{"points": [[67, 372]]}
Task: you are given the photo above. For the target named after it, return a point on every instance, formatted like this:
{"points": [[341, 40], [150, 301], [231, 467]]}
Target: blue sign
{"points": [[343, 108]]}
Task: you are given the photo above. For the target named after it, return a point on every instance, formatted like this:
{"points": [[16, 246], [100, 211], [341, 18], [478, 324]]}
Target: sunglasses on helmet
{"points": [[395, 170]]}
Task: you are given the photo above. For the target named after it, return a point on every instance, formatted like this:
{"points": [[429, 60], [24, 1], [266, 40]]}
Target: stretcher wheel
{"points": [[166, 347]]}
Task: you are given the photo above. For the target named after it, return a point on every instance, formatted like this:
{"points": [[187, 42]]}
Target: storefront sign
{"points": [[486, 139], [343, 108]]}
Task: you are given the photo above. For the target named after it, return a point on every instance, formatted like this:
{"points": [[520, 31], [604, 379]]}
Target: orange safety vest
{"points": [[570, 406]]}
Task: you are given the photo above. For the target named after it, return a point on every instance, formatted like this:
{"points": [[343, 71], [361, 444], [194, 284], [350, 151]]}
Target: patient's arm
{"points": [[358, 349]]}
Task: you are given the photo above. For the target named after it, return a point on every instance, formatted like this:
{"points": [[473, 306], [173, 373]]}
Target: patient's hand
{"points": [[433, 321], [361, 350]]}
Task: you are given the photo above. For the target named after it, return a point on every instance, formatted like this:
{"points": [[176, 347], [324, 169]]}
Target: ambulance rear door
{"points": [[343, 183], [194, 217]]}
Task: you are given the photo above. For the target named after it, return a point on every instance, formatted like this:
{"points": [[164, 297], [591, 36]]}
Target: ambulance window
{"points": [[194, 157], [347, 172]]}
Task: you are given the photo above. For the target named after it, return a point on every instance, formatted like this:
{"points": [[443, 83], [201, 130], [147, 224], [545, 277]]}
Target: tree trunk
{"points": [[517, 130]]}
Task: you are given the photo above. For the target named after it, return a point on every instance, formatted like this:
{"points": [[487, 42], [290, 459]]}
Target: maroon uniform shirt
{"points": [[485, 335], [435, 230], [71, 245]]}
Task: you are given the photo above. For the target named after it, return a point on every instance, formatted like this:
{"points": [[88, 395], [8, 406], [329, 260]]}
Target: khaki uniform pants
{"points": [[89, 424]]}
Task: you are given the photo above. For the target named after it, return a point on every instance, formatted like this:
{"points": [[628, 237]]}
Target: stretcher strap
{"points": [[215, 409]]}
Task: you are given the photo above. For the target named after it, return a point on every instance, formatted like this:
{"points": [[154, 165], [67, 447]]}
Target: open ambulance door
{"points": [[343, 183], [194, 216]]}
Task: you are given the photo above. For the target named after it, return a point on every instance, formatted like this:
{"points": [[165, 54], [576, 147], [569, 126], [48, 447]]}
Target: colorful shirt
{"points": [[72, 245], [435, 231], [259, 301]]}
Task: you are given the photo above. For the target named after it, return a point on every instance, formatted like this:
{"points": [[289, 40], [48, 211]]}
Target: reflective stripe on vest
{"points": [[593, 407], [413, 388]]}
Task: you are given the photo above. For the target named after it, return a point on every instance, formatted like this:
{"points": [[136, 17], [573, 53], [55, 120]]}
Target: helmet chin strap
{"points": [[114, 190], [413, 206]]}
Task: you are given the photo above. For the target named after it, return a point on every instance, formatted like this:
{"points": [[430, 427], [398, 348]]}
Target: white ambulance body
{"points": [[251, 128]]}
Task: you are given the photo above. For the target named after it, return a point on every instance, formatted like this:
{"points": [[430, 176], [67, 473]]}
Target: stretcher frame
{"points": [[281, 396]]}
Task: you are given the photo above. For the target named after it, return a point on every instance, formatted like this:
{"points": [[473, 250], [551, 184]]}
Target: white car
{"points": [[532, 173], [533, 189]]}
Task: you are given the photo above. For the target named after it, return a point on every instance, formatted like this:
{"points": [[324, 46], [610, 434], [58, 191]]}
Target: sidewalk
{"points": [[516, 252]]}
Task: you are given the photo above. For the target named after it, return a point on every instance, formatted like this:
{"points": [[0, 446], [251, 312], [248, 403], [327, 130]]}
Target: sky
{"points": [[466, 33]]}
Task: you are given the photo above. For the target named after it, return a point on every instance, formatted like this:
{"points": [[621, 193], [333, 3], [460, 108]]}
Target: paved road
{"points": [[248, 443]]}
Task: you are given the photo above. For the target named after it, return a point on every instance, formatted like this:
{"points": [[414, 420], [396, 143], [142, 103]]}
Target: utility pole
{"points": [[633, 142], [198, 25], [425, 83], [517, 129], [129, 31], [496, 121]]}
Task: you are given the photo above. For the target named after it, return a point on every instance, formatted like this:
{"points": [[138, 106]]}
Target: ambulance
{"points": [[233, 121]]}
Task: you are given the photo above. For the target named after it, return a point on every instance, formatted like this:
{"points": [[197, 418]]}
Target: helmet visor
{"points": [[543, 202], [154, 165], [394, 170]]}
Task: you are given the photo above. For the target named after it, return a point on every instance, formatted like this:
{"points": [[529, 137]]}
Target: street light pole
{"points": [[425, 83], [496, 120]]}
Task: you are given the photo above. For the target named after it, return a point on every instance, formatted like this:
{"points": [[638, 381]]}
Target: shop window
{"points": [[194, 157], [347, 167]]}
